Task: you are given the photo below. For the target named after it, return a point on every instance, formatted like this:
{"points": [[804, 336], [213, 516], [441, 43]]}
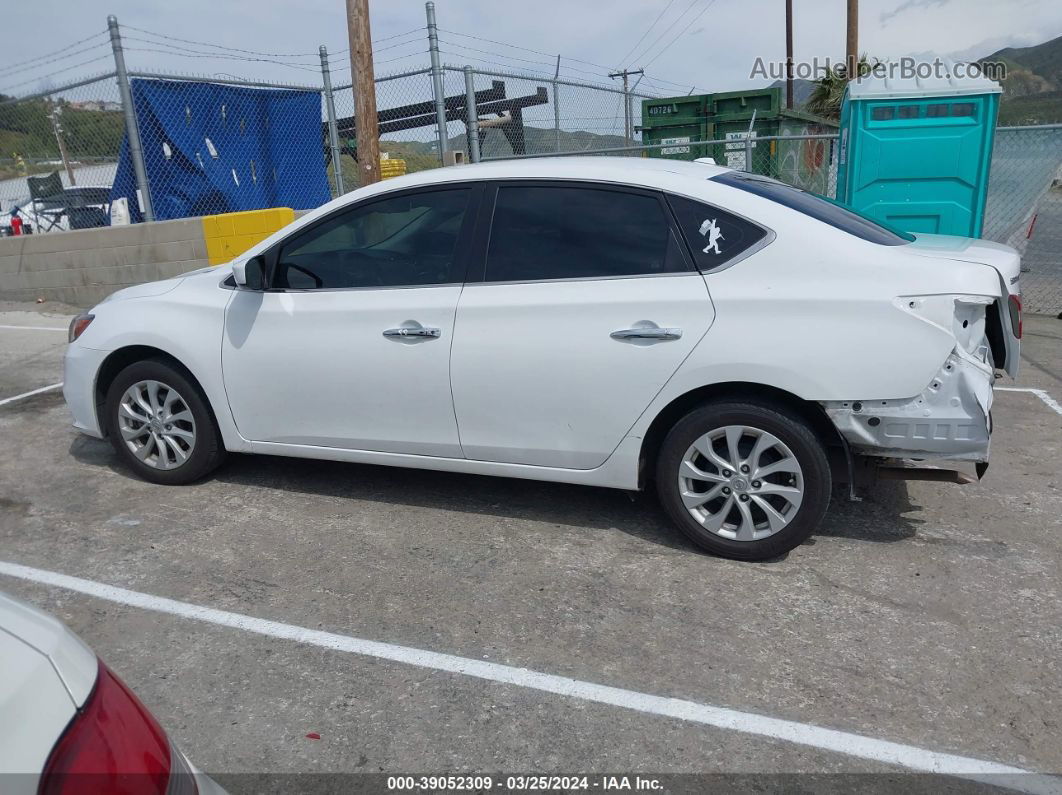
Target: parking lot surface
{"points": [[928, 614]]}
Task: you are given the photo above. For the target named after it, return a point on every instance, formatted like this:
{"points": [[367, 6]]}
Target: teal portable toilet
{"points": [[915, 152]]}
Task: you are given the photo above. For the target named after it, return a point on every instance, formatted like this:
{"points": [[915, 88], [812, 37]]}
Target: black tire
{"points": [[207, 452], [803, 445]]}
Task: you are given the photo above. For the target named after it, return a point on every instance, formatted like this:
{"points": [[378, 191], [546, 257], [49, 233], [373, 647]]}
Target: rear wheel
{"points": [[160, 424], [743, 480]]}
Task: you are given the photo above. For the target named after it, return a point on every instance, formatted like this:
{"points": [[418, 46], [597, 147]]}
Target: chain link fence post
{"points": [[333, 129], [471, 116], [556, 108], [131, 129], [437, 81]]}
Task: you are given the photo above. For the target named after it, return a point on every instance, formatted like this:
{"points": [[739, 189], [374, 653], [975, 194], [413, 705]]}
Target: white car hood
{"points": [[146, 290]]}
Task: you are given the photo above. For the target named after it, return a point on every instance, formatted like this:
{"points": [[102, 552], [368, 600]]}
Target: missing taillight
{"points": [[78, 325], [1015, 314]]}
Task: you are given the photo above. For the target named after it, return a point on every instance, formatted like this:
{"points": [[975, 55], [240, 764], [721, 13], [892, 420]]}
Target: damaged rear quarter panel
{"points": [[948, 419]]}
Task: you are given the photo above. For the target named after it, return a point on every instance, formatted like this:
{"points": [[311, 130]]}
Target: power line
{"points": [[681, 32], [551, 64], [564, 61], [419, 51], [646, 33], [336, 61], [55, 52], [526, 49], [667, 30], [496, 54]]}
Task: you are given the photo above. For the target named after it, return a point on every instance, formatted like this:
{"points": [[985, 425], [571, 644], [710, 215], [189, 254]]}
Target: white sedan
{"points": [[611, 322], [68, 724]]}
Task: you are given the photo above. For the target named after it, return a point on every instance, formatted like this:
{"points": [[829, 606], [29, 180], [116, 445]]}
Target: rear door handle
{"points": [[647, 333]]}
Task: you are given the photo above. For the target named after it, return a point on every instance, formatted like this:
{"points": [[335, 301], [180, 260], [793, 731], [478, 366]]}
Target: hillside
{"points": [[1032, 91], [801, 90]]}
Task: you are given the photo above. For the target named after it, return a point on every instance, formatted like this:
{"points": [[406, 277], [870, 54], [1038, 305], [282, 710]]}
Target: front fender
{"points": [[185, 322]]}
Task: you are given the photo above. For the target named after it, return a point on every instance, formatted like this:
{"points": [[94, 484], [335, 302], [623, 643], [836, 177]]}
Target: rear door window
{"points": [[715, 237], [573, 232]]}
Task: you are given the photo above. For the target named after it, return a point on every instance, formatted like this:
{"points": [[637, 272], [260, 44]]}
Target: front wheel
{"points": [[743, 480], [160, 424]]}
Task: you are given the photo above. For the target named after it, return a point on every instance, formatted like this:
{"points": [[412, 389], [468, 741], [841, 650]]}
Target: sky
{"points": [[708, 44]]}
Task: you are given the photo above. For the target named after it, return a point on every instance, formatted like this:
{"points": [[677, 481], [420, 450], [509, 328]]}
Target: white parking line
{"points": [[35, 328], [856, 745], [31, 393], [1049, 401]]}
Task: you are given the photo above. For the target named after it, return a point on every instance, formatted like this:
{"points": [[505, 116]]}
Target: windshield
{"points": [[826, 210]]}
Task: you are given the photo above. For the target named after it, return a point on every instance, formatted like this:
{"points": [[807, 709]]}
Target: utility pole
{"points": [[54, 111], [789, 54], [625, 74], [366, 123], [852, 44]]}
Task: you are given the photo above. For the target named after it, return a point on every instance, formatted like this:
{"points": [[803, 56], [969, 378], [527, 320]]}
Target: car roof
{"points": [[648, 171]]}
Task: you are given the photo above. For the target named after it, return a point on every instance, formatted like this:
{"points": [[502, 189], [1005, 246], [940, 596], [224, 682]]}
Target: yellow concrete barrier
{"points": [[231, 234]]}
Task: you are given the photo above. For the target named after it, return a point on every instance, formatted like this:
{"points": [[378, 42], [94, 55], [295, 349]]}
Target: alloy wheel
{"points": [[156, 424], [741, 483]]}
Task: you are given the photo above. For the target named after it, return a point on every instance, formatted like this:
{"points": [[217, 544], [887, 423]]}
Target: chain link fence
{"points": [[74, 133], [214, 145]]}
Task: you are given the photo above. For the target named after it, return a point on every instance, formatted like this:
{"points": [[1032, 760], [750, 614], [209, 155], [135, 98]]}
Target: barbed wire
{"points": [[175, 49], [7, 69], [221, 56], [34, 79], [219, 46]]}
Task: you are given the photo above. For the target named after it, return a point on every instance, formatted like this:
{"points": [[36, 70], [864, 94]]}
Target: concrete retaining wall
{"points": [[82, 267]]}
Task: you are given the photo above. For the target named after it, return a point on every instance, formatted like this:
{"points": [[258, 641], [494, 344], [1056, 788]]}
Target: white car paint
{"points": [[396, 383], [46, 675], [518, 342], [537, 388]]}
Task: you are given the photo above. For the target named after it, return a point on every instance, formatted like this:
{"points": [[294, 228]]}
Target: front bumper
{"points": [[949, 420], [80, 367]]}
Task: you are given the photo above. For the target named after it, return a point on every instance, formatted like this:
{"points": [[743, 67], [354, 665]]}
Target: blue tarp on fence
{"points": [[211, 148]]}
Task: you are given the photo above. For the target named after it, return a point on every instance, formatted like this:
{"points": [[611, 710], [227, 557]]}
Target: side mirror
{"points": [[250, 274]]}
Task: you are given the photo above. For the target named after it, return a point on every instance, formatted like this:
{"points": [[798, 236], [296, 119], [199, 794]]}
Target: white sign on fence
{"points": [[675, 150], [735, 151]]}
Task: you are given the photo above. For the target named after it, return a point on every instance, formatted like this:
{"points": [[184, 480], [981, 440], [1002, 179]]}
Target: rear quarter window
{"points": [[817, 207], [715, 237]]}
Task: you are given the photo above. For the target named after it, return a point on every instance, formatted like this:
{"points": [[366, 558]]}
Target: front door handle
{"points": [[647, 333], [413, 331]]}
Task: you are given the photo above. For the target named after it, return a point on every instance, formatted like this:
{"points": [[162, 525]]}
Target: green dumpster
{"points": [[679, 122], [675, 122]]}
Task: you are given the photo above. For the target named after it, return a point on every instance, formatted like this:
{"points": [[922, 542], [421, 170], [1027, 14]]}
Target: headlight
{"points": [[78, 326]]}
